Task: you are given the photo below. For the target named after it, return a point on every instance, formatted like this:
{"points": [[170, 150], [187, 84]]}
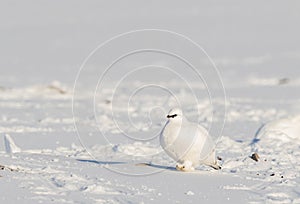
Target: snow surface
{"points": [[113, 155], [54, 167]]}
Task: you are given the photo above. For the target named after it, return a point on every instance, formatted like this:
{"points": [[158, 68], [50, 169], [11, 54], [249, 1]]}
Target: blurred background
{"points": [[40, 39]]}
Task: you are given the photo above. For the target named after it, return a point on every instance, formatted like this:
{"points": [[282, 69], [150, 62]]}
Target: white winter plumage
{"points": [[189, 144]]}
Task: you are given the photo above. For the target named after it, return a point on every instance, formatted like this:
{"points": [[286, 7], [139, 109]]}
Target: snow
{"points": [[58, 149], [10, 146], [53, 166]]}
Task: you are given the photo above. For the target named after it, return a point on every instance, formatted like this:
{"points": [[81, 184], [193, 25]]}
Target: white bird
{"points": [[189, 144]]}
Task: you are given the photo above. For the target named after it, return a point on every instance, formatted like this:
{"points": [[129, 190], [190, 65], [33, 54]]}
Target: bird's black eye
{"points": [[171, 116]]}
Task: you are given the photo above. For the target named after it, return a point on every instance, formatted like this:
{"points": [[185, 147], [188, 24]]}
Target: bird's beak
{"points": [[171, 116]]}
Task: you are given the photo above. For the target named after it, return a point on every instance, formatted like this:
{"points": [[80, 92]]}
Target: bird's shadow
{"points": [[100, 162], [157, 166]]}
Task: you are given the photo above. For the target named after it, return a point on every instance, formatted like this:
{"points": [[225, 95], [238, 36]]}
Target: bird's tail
{"points": [[216, 166], [211, 161]]}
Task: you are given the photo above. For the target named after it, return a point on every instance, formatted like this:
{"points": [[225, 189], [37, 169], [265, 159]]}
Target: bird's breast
{"points": [[169, 135]]}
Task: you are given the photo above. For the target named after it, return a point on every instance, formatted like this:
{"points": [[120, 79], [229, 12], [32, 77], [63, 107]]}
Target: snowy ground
{"points": [[53, 166], [112, 155]]}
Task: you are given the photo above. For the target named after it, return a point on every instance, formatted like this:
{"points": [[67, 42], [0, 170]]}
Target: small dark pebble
{"points": [[272, 174], [281, 176], [8, 168], [254, 156]]}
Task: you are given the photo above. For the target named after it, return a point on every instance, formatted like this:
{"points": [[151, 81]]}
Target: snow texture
{"points": [[89, 144], [10, 146]]}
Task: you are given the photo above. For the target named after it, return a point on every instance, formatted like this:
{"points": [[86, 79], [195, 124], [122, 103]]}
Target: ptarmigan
{"points": [[189, 144]]}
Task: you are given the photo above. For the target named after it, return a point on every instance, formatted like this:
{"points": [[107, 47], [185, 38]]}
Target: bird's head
{"points": [[175, 114]]}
